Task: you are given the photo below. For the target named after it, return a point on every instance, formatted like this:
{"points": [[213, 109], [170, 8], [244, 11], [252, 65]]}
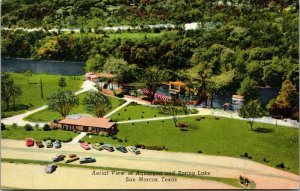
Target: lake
{"points": [[67, 68]]}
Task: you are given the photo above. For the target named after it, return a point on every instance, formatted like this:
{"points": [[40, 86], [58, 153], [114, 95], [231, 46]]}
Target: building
{"points": [[85, 124], [102, 77]]}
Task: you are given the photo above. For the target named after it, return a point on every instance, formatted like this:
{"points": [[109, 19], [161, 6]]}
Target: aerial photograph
{"points": [[149, 94]]}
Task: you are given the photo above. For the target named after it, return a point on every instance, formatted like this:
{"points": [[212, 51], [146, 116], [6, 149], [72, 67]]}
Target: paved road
{"points": [[264, 176]]}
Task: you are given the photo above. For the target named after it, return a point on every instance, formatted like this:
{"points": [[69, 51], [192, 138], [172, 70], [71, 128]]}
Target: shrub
{"points": [[132, 123], [46, 127], [118, 93], [114, 137], [52, 140], [120, 140], [129, 118], [142, 117], [198, 119], [119, 114], [14, 125], [3, 126], [125, 109], [44, 139], [199, 151], [281, 165], [28, 127], [154, 115], [266, 160]]}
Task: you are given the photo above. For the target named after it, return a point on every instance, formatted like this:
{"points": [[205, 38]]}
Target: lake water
{"points": [[68, 68]]}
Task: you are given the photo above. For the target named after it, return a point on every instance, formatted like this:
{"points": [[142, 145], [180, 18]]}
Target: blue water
{"points": [[67, 68]]}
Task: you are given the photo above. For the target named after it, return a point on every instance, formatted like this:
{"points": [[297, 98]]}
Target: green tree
{"points": [[251, 110], [174, 109], [62, 102], [9, 90], [151, 79], [94, 63], [97, 103], [248, 89], [62, 82], [16, 91]]}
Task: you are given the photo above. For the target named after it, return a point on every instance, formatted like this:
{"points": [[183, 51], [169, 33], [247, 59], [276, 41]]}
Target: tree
{"points": [[62, 102], [16, 91], [286, 101], [217, 83], [9, 90], [172, 108], [251, 110], [94, 63], [62, 82], [248, 88], [121, 68], [151, 79], [97, 103], [41, 89]]}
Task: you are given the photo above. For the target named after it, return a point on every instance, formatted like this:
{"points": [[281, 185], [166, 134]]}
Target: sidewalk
{"points": [[19, 119], [77, 138]]}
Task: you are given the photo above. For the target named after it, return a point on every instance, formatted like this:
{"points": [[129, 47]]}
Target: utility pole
{"points": [[41, 87]]}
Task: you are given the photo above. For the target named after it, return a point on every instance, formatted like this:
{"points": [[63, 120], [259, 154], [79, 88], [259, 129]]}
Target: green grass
{"points": [[31, 91], [227, 137], [136, 112], [140, 35], [229, 181], [20, 133], [47, 115]]}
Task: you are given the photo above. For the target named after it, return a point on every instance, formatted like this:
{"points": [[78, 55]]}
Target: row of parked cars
{"points": [[48, 143], [67, 159], [110, 148]]}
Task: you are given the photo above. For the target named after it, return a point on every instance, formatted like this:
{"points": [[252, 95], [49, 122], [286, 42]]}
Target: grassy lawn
{"points": [[135, 112], [47, 115], [140, 35], [227, 137], [20, 133], [31, 90]]}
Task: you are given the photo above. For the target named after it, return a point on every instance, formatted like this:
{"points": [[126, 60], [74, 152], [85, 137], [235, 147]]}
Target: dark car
{"points": [[108, 147], [121, 149], [71, 159], [50, 168], [39, 144], [87, 160], [58, 158]]}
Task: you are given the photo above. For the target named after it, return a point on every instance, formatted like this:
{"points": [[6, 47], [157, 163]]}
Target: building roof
{"points": [[88, 121], [104, 75], [237, 96]]}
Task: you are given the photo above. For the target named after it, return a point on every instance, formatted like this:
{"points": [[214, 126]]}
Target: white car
{"points": [[134, 150]]}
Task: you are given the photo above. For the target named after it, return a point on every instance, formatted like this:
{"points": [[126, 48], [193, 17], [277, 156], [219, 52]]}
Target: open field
{"points": [[47, 115], [213, 168], [226, 137], [20, 133], [31, 95], [136, 112]]}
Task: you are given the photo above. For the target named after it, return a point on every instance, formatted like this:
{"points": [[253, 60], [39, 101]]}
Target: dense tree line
{"points": [[94, 13]]}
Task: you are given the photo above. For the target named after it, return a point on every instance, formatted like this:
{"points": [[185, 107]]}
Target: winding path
{"points": [[19, 119]]}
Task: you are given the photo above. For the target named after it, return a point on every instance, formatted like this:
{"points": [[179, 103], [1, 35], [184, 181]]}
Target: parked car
{"points": [[87, 160], [39, 144], [71, 159], [85, 145], [121, 149], [29, 142], [72, 155], [134, 150], [108, 147], [57, 144], [49, 144], [58, 158], [50, 168], [97, 146]]}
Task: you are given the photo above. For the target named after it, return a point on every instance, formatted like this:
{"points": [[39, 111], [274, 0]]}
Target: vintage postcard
{"points": [[141, 94]]}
